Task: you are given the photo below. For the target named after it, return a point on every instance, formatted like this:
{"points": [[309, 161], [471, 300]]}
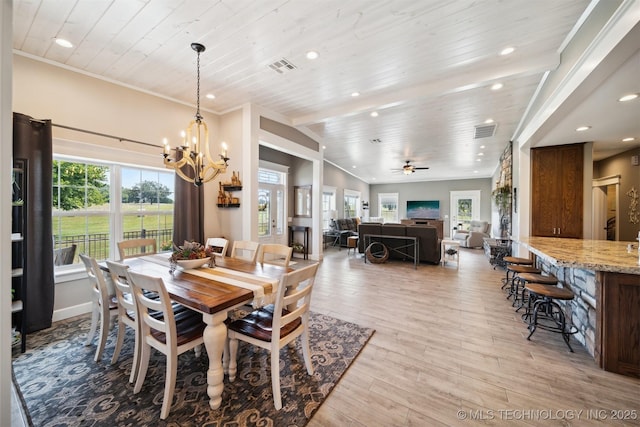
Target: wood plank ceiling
{"points": [[425, 66]]}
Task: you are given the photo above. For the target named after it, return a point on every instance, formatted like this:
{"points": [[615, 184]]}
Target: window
{"points": [[351, 203], [96, 204], [388, 206], [328, 207]]}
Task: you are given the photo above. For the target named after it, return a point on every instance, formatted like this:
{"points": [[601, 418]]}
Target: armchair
{"points": [[474, 236]]}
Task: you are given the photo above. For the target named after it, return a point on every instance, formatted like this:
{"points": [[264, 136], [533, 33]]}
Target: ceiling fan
{"points": [[408, 168]]}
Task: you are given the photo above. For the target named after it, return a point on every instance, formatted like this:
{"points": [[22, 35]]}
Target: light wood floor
{"points": [[446, 341]]}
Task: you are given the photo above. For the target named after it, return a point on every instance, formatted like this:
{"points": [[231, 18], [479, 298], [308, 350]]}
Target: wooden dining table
{"points": [[214, 292]]}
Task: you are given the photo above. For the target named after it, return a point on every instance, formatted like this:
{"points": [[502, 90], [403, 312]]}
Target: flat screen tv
{"points": [[423, 209]]}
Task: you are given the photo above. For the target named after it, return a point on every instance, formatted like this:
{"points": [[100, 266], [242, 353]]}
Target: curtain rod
{"points": [[105, 135]]}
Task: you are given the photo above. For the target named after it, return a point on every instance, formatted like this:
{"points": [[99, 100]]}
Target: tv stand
{"points": [[437, 223]]}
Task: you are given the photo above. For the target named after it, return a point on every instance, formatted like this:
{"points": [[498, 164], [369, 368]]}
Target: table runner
{"points": [[231, 277]]}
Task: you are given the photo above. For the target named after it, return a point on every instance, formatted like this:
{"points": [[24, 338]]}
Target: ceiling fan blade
{"points": [[421, 168]]}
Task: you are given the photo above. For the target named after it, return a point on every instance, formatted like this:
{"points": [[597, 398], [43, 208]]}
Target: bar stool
{"points": [[547, 313], [512, 260], [523, 279], [515, 270]]}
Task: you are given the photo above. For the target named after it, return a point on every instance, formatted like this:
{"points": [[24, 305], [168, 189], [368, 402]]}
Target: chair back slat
{"points": [[219, 245], [136, 247], [274, 253], [245, 249]]}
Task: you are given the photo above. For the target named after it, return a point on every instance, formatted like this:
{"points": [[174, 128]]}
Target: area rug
{"points": [[63, 386]]}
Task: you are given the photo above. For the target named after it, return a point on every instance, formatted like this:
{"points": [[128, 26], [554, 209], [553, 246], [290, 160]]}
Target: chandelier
{"points": [[192, 160]]}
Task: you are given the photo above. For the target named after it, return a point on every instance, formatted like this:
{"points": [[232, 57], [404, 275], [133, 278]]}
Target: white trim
{"points": [[263, 164], [68, 312], [608, 180]]}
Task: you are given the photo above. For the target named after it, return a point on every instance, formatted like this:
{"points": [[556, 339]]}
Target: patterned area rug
{"points": [[63, 386]]}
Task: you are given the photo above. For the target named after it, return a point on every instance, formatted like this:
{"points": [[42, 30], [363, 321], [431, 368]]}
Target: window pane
{"points": [[81, 194], [147, 205]]}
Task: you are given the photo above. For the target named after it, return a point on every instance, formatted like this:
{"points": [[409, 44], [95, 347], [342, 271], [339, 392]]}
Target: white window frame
{"points": [[350, 194], [328, 206], [389, 196]]}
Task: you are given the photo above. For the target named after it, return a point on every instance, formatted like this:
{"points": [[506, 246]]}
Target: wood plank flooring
{"points": [[447, 341]]}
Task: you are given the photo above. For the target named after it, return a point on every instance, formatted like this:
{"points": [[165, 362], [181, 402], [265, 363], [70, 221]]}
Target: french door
{"points": [[465, 207], [271, 214]]}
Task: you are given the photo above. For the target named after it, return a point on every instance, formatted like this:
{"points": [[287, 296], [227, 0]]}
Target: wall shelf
{"points": [[231, 187], [228, 205]]}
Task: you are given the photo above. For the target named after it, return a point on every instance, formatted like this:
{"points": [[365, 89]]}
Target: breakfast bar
{"points": [[605, 278]]}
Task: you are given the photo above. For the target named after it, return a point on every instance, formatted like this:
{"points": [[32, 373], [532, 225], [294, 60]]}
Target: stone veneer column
{"points": [[581, 311]]}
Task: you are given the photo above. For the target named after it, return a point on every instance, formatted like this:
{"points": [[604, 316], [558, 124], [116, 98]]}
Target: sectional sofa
{"points": [[429, 244]]}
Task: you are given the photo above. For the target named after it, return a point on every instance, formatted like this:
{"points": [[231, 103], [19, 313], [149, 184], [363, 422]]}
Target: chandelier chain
{"points": [[198, 116]]}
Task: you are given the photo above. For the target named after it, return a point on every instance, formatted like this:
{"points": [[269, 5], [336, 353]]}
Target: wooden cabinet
{"points": [[618, 340], [557, 191], [18, 252]]}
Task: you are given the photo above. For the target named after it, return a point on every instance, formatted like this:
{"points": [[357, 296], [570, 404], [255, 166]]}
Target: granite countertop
{"points": [[597, 255]]}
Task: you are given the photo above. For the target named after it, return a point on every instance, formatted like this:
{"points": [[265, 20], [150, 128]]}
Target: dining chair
{"points": [[273, 327], [245, 249], [169, 333], [127, 313], [132, 248], [104, 306], [274, 253], [219, 245], [64, 256]]}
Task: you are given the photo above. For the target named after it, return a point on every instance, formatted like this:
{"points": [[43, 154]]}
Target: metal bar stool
{"points": [[516, 270], [512, 260], [547, 313], [523, 279]]}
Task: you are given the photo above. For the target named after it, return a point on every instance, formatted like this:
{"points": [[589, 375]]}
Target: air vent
{"points": [[485, 131], [375, 141], [282, 65]]}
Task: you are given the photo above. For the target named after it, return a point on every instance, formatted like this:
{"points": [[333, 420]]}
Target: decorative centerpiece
{"points": [[190, 255]]}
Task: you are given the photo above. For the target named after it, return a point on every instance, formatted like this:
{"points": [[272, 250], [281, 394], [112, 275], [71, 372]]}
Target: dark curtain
{"points": [[32, 141], [188, 212]]}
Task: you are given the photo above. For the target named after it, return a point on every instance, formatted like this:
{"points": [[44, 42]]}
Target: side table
{"points": [[305, 244], [453, 245]]}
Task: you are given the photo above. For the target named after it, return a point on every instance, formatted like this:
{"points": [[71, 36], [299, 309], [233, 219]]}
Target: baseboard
{"points": [[73, 311]]}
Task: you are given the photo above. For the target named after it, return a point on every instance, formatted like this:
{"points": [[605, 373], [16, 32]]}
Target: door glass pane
{"points": [[279, 214], [464, 211], [264, 212]]}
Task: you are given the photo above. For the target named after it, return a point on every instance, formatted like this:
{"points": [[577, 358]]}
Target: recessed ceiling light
{"points": [[480, 154], [496, 86], [488, 121], [210, 96], [482, 146], [64, 43], [324, 147], [312, 54], [478, 160], [374, 114], [354, 94], [507, 50], [582, 128], [354, 166], [628, 139], [475, 171], [629, 97]]}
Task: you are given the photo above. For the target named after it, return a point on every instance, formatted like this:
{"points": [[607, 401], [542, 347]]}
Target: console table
{"points": [[305, 244], [411, 242]]}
